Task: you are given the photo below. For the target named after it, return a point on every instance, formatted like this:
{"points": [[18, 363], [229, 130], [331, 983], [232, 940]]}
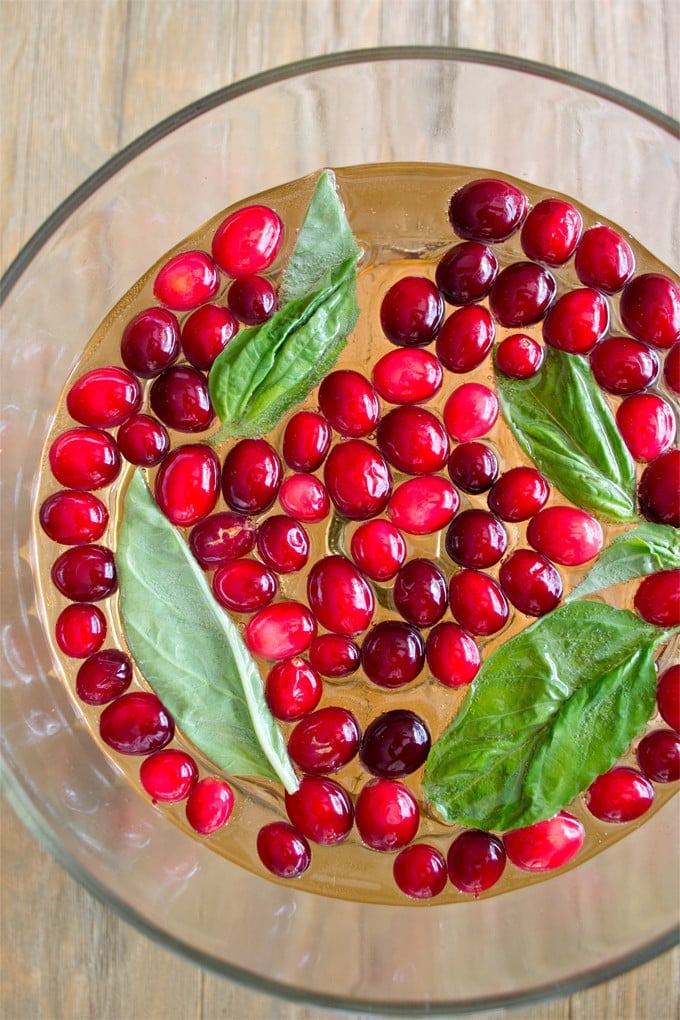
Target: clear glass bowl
{"points": [[434, 105]]}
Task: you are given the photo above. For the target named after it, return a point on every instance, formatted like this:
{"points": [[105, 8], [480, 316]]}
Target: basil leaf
{"points": [[189, 650], [548, 712], [638, 552], [561, 419]]}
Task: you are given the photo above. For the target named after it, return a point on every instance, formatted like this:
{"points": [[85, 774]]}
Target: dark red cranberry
{"points": [[104, 397], [292, 689], [420, 592], [85, 573], [306, 441], [477, 602], [658, 756], [565, 535], [104, 676], [168, 775], [466, 272], [487, 210], [136, 723], [349, 403], [659, 489], [248, 240], [151, 342], [205, 334], [252, 299], [304, 497], [142, 440], [334, 655], [411, 312], [280, 631], [531, 582], [186, 281], [576, 321], [519, 356], [325, 741], [650, 309], [475, 861], [620, 795], [209, 805], [521, 294], [470, 412], [473, 467], [73, 518], [283, 544], [244, 585], [421, 506], [622, 365], [84, 458], [465, 339], [647, 424], [671, 368], [378, 548], [321, 809], [668, 696], [180, 398], [452, 655], [546, 845], [657, 598], [551, 231], [358, 480], [221, 537], [283, 850], [420, 871], [476, 538], [413, 440], [251, 476], [188, 484], [393, 653], [386, 814], [80, 630], [340, 596], [395, 744], [407, 375], [604, 260]]}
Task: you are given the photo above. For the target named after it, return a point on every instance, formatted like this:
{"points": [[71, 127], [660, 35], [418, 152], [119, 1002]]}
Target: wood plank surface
{"points": [[81, 78]]}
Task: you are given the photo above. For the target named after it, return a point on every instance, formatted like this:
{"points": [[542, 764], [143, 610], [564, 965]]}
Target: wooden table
{"points": [[80, 79]]}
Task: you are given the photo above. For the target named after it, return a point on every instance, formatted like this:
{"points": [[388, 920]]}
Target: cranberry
{"points": [[321, 810], [209, 805], [387, 815], [306, 441], [84, 458], [305, 498], [657, 598], [104, 397], [393, 653], [413, 440], [420, 871], [180, 398], [80, 630], [647, 424], [186, 281], [473, 467], [407, 375], [519, 356], [565, 535], [334, 655], [551, 231], [244, 585], [358, 480], [325, 741], [421, 506], [283, 544], [671, 368], [205, 334], [668, 696], [420, 593], [476, 538], [73, 518], [168, 775], [658, 756], [85, 573], [136, 723], [349, 403], [222, 537], [466, 272], [280, 631], [659, 491], [475, 861], [622, 365], [395, 744], [252, 299], [292, 689], [531, 582], [251, 476], [143, 440], [188, 484], [620, 795], [411, 312], [470, 412], [487, 210], [546, 845], [576, 321], [452, 655], [151, 342], [248, 240], [477, 602], [521, 294], [283, 850], [340, 596], [518, 494], [604, 260], [379, 549], [104, 676], [650, 309], [465, 339]]}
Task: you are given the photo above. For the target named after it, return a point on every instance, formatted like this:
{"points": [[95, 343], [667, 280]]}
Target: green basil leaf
{"points": [[638, 552], [548, 712], [562, 420], [189, 650]]}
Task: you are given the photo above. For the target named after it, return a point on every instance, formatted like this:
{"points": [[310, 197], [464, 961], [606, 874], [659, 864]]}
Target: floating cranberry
{"points": [[283, 544], [668, 696], [340, 596], [413, 440], [487, 210], [244, 585], [521, 294], [209, 805], [518, 494], [622, 365], [180, 398], [466, 272], [531, 582], [475, 861], [304, 497], [292, 689], [565, 535], [73, 518], [671, 368], [248, 240], [647, 424], [325, 741], [650, 309], [104, 676], [470, 412], [85, 573], [476, 538], [151, 342], [387, 815], [221, 537], [252, 299], [620, 795], [283, 850], [186, 281], [378, 548], [334, 655], [251, 476], [465, 339], [421, 506], [393, 653], [205, 334], [473, 467], [80, 630], [280, 631], [657, 598], [604, 260], [407, 375], [349, 403], [358, 480], [658, 756], [306, 441], [168, 775], [519, 356], [395, 744], [546, 845], [188, 484], [412, 311], [576, 321], [136, 723], [143, 440], [84, 458], [321, 809], [477, 602], [420, 871], [551, 231], [452, 655], [659, 489], [104, 397], [420, 592]]}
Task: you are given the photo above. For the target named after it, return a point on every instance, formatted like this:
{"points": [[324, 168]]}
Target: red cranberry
{"points": [[251, 476], [487, 210], [186, 281], [306, 441], [421, 506], [168, 775], [73, 518], [531, 582], [283, 850], [465, 339], [379, 549], [321, 810], [292, 689], [209, 805], [84, 458], [180, 398], [671, 368], [477, 602], [136, 723], [657, 598], [546, 845], [104, 397], [576, 321], [659, 489], [518, 494], [349, 403], [647, 424], [248, 240], [475, 861], [668, 696], [519, 356], [604, 260], [340, 596], [104, 676], [466, 272], [473, 467], [80, 630], [411, 312], [85, 573], [395, 744], [521, 294], [620, 795], [252, 299], [283, 544], [476, 538], [407, 375], [470, 412], [565, 535], [387, 815], [334, 655], [244, 585], [358, 480], [205, 334], [413, 440], [393, 653], [325, 741], [420, 593], [650, 309], [222, 537], [622, 365], [188, 484], [420, 871], [305, 498], [551, 232], [452, 655], [150, 342], [658, 756], [143, 440], [280, 631]]}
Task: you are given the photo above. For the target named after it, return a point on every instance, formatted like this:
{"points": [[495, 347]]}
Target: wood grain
{"points": [[81, 78]]}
